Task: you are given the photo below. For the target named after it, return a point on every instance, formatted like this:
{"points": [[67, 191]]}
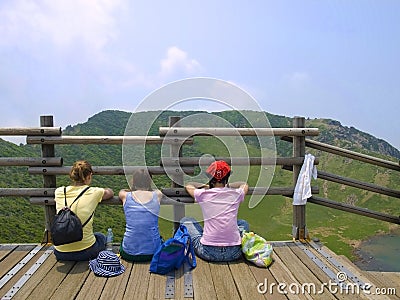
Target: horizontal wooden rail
{"points": [[168, 192], [350, 154], [114, 201], [31, 161], [26, 192], [107, 140], [354, 209], [110, 170], [30, 131], [238, 161], [359, 184], [354, 183], [219, 131], [284, 191]]}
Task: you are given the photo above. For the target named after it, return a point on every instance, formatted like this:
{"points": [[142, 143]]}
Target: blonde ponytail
{"points": [[80, 171]]}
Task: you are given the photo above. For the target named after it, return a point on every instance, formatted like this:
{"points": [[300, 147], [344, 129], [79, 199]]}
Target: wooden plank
{"points": [[107, 140], [336, 269], [6, 250], [24, 192], [156, 288], [111, 170], [115, 287], [49, 201], [386, 281], [203, 288], [92, 288], [47, 287], [69, 288], [315, 269], [179, 285], [366, 186], [220, 131], [264, 278], [235, 161], [393, 276], [303, 274], [285, 191], [68, 280], [30, 131], [347, 153], [11, 282], [138, 282], [246, 283], [14, 257], [36, 278], [282, 274], [31, 161], [223, 281], [354, 209], [357, 272]]}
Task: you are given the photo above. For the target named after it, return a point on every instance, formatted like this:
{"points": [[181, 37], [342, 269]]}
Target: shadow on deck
{"points": [[301, 271]]}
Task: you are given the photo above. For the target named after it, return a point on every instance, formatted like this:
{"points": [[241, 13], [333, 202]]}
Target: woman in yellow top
{"points": [[92, 243]]}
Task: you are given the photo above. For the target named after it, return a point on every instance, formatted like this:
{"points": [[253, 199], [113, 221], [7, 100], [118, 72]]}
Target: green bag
{"points": [[256, 249]]}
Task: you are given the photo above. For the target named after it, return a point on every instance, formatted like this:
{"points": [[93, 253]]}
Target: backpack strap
{"points": [[190, 254], [65, 195], [83, 225], [80, 194]]}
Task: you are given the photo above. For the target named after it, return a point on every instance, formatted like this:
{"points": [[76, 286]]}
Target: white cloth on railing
{"points": [[302, 190]]}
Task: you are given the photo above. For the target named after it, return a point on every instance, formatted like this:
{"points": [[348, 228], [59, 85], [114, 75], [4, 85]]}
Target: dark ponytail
{"points": [[224, 180]]}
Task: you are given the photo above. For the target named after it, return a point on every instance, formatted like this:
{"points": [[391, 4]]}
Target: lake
{"points": [[380, 253]]}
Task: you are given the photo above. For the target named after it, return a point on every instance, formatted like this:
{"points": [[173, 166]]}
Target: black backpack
{"points": [[66, 227]]}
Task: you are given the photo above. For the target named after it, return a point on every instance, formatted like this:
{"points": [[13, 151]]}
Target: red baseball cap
{"points": [[218, 169]]}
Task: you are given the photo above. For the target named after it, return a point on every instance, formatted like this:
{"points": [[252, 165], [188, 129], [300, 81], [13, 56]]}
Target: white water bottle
{"points": [[109, 240]]}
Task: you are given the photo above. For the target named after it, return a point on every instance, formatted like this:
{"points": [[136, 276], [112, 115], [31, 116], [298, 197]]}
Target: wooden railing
{"points": [[50, 166]]}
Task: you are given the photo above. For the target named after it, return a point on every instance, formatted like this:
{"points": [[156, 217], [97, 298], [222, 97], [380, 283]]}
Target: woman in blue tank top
{"points": [[141, 207]]}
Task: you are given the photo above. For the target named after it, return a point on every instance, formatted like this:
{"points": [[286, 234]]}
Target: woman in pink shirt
{"points": [[220, 240]]}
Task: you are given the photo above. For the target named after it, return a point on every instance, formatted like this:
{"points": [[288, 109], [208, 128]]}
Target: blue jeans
{"points": [[212, 253], [86, 254]]}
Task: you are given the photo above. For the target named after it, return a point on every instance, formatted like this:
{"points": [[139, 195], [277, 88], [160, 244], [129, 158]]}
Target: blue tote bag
{"points": [[173, 253]]}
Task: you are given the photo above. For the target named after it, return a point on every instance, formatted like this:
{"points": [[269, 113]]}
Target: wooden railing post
{"points": [[176, 152], [49, 181], [299, 230]]}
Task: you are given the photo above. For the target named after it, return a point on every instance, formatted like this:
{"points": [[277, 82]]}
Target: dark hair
{"points": [[223, 180], [80, 170], [141, 180]]}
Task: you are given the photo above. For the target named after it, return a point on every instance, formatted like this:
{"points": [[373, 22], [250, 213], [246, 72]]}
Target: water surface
{"points": [[380, 253]]}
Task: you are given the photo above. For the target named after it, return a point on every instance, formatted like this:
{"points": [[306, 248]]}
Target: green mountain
{"points": [[272, 218]]}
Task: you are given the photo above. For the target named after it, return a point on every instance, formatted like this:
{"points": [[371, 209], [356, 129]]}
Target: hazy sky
{"points": [[317, 59]]}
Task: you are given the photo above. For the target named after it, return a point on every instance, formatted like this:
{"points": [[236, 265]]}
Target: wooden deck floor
{"points": [[32, 272]]}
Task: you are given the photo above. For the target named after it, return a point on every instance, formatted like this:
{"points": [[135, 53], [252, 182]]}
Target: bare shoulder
{"points": [[159, 195], [122, 194], [245, 187], [190, 188], [240, 185]]}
